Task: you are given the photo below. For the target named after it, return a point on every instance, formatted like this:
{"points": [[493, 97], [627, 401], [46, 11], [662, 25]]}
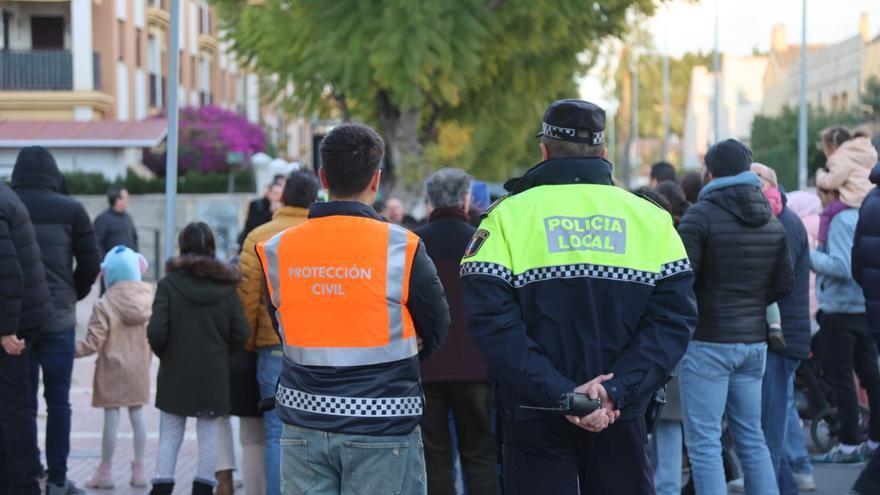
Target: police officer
{"points": [[573, 284], [352, 298]]}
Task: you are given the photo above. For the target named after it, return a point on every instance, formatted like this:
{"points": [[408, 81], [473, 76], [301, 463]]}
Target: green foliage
{"points": [[487, 65], [775, 141], [86, 183]]}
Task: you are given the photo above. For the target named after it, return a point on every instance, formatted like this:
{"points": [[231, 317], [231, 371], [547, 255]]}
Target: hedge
{"points": [[84, 183]]}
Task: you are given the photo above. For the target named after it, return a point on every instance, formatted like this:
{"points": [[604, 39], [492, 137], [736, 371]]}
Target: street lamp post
{"points": [[171, 148], [802, 116], [716, 68]]}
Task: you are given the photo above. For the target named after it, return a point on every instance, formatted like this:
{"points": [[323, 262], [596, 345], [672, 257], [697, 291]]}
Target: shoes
{"points": [[867, 451], [805, 481], [162, 489], [69, 488], [837, 456], [202, 488], [103, 477], [737, 486], [138, 478]]}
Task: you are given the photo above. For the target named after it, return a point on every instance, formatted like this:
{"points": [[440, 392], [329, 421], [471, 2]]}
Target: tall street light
{"points": [[802, 117], [171, 148]]}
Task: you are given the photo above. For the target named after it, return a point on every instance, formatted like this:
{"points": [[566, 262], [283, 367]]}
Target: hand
{"points": [[420, 343], [602, 418], [12, 345]]}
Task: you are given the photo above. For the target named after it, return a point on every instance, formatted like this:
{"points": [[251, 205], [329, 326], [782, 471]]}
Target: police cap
{"points": [[564, 118]]}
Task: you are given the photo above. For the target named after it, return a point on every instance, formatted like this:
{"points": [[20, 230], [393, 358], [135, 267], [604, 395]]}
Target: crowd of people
{"points": [[360, 349]]}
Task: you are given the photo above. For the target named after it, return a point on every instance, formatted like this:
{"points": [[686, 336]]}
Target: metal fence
{"points": [[36, 69], [150, 245]]}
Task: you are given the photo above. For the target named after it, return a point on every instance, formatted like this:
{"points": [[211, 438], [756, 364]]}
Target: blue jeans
{"points": [[319, 463], [717, 378], [779, 384], [269, 360], [795, 448], [53, 352], [666, 446]]}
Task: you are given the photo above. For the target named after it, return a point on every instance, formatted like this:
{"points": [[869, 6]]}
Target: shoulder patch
{"points": [[476, 243]]}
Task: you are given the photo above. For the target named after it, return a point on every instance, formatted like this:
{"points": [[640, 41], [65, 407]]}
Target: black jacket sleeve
{"points": [[101, 229], [134, 233], [783, 273], [85, 250], [660, 341], [427, 303], [159, 328], [11, 281]]}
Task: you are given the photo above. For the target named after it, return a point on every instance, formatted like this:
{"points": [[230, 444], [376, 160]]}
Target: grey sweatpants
{"points": [[171, 431]]}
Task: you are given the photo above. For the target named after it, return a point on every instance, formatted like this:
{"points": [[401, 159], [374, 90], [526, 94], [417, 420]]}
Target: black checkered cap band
{"points": [[363, 407], [483, 268]]}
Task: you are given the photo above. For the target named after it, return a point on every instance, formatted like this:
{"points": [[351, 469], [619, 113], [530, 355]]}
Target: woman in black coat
{"points": [[197, 321]]}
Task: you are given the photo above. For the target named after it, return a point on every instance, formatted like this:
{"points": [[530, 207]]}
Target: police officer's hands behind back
{"points": [[601, 418]]}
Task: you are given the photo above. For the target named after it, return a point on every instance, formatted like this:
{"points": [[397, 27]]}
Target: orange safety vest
{"points": [[340, 286]]}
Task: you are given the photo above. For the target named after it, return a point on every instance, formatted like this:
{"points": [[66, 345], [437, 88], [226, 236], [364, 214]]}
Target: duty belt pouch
{"points": [[655, 408]]}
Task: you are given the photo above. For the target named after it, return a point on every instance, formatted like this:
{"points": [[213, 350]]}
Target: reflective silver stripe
{"points": [[352, 356], [270, 249], [367, 407], [394, 280]]}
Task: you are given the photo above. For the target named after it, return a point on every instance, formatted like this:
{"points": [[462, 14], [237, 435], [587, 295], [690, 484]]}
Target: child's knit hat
{"points": [[123, 264]]}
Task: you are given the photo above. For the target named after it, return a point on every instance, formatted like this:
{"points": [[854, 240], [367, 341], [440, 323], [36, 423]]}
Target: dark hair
{"points": [[670, 190], [836, 135], [379, 205], [197, 239], [277, 178], [691, 185], [301, 189], [350, 155], [113, 195], [662, 171], [570, 149], [654, 197]]}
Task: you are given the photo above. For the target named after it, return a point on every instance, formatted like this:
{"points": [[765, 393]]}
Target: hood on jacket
{"points": [[35, 168], [132, 301], [741, 196], [859, 151], [875, 174], [201, 279]]}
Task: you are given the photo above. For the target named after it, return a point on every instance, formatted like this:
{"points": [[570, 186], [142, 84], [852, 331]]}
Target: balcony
{"points": [[41, 70], [36, 70]]}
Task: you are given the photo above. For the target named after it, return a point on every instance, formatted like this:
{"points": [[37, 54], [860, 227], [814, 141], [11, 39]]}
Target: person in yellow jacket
{"points": [[300, 191]]}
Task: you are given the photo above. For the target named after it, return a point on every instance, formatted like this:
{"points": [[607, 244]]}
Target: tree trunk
{"points": [[403, 151]]}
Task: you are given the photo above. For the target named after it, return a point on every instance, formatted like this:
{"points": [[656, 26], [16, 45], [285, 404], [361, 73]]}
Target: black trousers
{"points": [[846, 347], [554, 456], [471, 406], [18, 451]]}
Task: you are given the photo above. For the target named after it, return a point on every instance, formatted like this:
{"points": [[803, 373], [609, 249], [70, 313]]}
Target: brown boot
{"points": [[224, 483]]}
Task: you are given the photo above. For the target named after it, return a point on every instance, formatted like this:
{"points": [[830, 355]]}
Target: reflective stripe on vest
{"points": [[323, 279]]}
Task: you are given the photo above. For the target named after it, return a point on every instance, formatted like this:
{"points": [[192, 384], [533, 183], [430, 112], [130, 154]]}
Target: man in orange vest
{"points": [[356, 302]]}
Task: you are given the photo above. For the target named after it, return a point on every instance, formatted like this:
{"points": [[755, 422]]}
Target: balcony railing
{"points": [[36, 69], [42, 70]]}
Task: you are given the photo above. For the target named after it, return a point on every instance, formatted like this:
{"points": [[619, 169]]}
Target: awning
{"points": [[88, 134]]}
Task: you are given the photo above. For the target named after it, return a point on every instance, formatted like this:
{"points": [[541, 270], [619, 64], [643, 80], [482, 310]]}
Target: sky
{"points": [[683, 25]]}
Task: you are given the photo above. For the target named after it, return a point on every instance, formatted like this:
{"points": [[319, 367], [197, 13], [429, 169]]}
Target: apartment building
{"points": [[108, 59], [837, 72]]}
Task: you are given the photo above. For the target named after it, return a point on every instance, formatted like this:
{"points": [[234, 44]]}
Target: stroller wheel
{"points": [[823, 430]]}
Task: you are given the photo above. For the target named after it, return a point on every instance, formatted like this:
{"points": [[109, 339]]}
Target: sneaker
{"points": [[867, 451], [837, 456], [737, 486], [69, 488], [805, 481]]}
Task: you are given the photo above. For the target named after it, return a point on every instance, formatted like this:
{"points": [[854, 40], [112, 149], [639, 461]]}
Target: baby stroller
{"points": [[815, 400]]}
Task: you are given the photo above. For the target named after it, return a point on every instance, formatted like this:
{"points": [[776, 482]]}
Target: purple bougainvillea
{"points": [[207, 134]]}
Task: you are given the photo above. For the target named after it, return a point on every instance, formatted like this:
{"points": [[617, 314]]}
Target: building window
{"points": [[192, 72], [138, 58], [204, 18], [844, 101], [121, 32], [154, 67], [205, 96]]}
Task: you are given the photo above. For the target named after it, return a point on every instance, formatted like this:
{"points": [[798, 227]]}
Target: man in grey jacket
{"points": [[846, 344], [114, 227]]}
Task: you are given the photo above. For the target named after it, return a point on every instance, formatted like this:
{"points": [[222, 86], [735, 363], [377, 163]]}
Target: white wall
{"points": [[108, 161], [122, 105], [140, 94]]}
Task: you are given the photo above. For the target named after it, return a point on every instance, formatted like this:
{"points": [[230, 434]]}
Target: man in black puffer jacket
{"points": [[64, 233], [741, 262], [24, 307]]}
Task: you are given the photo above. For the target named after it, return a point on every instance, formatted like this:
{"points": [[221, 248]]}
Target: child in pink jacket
{"points": [[118, 334]]}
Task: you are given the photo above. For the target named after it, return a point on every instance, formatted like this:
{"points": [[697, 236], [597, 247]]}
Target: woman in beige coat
{"points": [[118, 334]]}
